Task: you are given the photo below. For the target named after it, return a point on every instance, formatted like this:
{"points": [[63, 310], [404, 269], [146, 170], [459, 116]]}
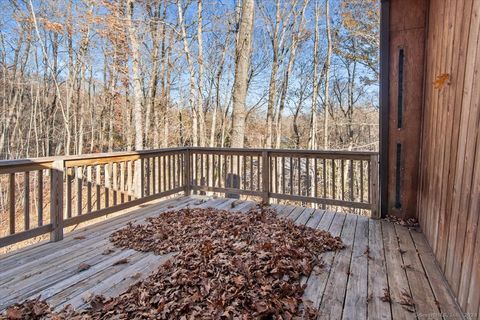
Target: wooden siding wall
{"points": [[408, 20], [449, 179]]}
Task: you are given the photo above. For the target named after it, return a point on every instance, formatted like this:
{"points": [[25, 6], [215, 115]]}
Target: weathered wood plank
{"points": [[318, 278], [397, 279], [377, 273], [437, 281], [422, 294], [334, 295], [349, 285], [356, 298], [32, 256]]}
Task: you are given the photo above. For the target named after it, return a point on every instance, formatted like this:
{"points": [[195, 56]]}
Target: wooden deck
{"points": [[378, 255]]}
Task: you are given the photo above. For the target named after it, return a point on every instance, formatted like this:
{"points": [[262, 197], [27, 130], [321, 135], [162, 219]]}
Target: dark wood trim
{"points": [[384, 106]]}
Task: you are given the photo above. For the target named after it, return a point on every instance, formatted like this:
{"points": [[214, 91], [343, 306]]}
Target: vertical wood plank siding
{"points": [[449, 179]]}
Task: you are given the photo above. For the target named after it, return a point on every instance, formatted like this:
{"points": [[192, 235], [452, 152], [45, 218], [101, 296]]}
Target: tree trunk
{"points": [[242, 57], [137, 96], [200, 108], [191, 70], [327, 75], [312, 139]]}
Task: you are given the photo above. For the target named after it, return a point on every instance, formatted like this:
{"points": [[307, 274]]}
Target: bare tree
{"points": [[326, 102], [242, 64], [312, 138]]}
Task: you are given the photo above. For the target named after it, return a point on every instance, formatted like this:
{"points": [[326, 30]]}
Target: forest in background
{"points": [[83, 76]]}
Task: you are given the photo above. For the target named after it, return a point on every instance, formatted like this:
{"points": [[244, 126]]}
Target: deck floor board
{"points": [[349, 285]]}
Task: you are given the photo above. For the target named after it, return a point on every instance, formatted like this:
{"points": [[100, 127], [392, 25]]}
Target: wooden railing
{"points": [[45, 195]]}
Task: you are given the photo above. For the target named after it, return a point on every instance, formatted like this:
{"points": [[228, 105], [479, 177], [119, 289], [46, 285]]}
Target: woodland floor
{"points": [[385, 271]]}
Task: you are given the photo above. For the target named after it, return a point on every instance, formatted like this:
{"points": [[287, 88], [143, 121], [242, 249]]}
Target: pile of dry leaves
{"points": [[411, 223], [229, 265]]}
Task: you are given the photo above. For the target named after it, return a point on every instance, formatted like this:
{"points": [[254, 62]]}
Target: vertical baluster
{"points": [[315, 173], [342, 171], [98, 177], [207, 174], [11, 201], [89, 189], [130, 180], [115, 182], [40, 197], [308, 189], [333, 180], [180, 169], [276, 174], [258, 174], [299, 176], [225, 169], [231, 171], [266, 176], [283, 174], [291, 175], [79, 177], [368, 181], [244, 169], [154, 175], [164, 173], [146, 165], [361, 182], [171, 171], [26, 199], [175, 173], [238, 171], [69, 179], [122, 181], [251, 173], [202, 170], [195, 171], [107, 188], [351, 180], [160, 174], [324, 169]]}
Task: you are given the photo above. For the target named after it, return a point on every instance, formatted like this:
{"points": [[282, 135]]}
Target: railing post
{"points": [[187, 172], [56, 200], [265, 177], [373, 188]]}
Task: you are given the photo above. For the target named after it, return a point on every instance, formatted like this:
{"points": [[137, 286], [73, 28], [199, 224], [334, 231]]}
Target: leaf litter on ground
{"points": [[227, 266]]}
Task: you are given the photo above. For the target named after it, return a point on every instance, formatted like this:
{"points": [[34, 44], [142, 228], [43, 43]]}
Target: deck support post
{"points": [[56, 200], [373, 188], [265, 177], [187, 172]]}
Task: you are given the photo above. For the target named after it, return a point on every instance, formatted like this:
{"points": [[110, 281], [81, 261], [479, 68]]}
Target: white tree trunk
{"points": [[243, 54], [137, 95]]}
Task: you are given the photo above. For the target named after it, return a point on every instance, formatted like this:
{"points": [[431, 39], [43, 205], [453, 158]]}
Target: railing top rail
{"points": [[289, 151], [47, 161]]}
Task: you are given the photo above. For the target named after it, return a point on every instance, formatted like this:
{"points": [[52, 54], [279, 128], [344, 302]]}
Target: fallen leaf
{"points": [[121, 261], [13, 313], [441, 80], [83, 267], [107, 252]]}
